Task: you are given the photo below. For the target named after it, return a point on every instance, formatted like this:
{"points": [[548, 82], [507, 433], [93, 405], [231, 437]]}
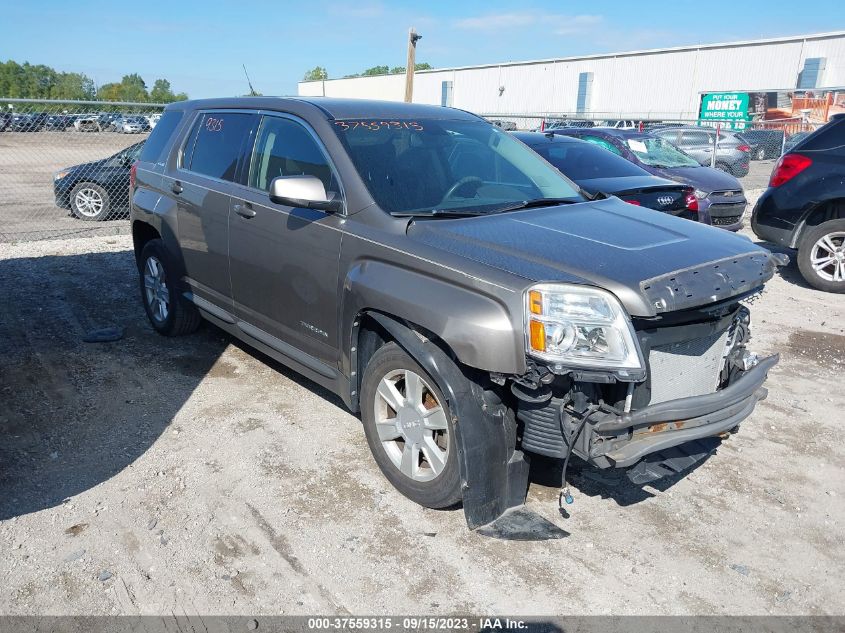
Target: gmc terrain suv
{"points": [[451, 286]]}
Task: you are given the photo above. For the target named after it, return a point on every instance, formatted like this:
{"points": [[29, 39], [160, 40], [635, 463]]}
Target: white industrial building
{"points": [[657, 84]]}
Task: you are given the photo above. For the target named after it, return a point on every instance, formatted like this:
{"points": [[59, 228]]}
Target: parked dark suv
{"points": [[452, 286], [804, 206]]}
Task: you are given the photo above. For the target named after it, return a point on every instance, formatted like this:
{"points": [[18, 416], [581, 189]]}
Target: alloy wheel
{"points": [[828, 257], [89, 202], [155, 289], [411, 425]]}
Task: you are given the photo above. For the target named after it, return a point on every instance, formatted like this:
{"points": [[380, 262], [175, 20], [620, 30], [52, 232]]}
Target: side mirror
{"points": [[303, 191]]}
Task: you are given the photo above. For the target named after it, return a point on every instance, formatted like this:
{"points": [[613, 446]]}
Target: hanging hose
{"points": [[565, 495]]}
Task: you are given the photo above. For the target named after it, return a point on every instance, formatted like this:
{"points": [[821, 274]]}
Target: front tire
{"points": [[169, 312], [821, 256], [409, 428], [89, 202]]}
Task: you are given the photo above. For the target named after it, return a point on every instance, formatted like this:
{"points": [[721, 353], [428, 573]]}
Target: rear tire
{"points": [[821, 256], [409, 429], [169, 312]]}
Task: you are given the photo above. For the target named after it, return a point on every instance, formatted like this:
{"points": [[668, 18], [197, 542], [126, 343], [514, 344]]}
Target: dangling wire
{"points": [[565, 495]]}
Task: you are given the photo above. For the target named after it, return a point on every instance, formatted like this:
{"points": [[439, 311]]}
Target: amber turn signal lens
{"points": [[538, 336], [535, 302]]}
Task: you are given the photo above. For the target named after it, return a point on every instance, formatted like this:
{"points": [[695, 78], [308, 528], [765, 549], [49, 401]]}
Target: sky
{"points": [[200, 45]]}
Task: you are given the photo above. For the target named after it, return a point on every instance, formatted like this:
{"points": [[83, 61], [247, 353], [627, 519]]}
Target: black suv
{"points": [[804, 206]]}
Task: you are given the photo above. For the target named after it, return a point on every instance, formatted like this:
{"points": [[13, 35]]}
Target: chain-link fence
{"points": [[64, 165]]}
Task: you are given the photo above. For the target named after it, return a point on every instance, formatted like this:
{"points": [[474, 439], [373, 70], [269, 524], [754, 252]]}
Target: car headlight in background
{"points": [[701, 195], [60, 174], [581, 326]]}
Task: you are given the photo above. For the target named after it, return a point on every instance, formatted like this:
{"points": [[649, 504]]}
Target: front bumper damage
{"points": [[619, 441]]}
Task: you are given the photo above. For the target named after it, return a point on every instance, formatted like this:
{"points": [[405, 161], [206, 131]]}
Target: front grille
{"points": [[726, 221], [688, 368]]}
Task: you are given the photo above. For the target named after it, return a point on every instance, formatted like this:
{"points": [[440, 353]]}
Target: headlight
{"points": [[580, 326], [60, 174], [701, 195]]}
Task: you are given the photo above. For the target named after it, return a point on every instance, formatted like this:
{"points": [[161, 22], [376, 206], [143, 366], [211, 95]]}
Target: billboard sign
{"points": [[728, 109]]}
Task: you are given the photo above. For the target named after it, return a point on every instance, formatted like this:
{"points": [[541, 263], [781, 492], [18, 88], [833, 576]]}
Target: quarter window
{"points": [[156, 143], [219, 139], [285, 148]]}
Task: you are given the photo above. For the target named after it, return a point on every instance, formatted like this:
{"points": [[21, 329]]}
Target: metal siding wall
{"points": [[664, 84]]}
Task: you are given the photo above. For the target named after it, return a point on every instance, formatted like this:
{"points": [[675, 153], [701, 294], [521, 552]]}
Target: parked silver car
{"points": [[733, 153]]}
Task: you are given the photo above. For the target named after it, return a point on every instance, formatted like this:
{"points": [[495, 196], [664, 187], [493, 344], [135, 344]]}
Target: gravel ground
{"points": [[195, 476]]}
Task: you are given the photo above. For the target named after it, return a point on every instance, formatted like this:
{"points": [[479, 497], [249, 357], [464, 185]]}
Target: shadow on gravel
{"points": [[594, 482], [790, 272], [74, 414]]}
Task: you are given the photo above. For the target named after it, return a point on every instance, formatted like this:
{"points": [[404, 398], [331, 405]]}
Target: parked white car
{"points": [[153, 119]]}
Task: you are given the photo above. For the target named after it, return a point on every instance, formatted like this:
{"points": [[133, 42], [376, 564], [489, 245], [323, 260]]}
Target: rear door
{"points": [[284, 260], [201, 184]]}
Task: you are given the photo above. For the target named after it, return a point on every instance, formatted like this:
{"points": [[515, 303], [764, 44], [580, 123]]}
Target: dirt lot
{"points": [[194, 476]]}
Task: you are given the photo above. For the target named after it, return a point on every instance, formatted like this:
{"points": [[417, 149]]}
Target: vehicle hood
{"points": [[623, 183], [651, 261], [86, 166], [703, 178]]}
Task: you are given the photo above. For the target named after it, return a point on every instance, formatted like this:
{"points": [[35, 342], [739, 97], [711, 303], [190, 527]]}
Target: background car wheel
{"points": [[409, 429], [723, 167], [821, 256], [168, 311], [89, 202], [760, 154]]}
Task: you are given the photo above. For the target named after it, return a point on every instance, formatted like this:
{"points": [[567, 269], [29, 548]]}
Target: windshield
{"points": [[657, 152], [425, 165]]}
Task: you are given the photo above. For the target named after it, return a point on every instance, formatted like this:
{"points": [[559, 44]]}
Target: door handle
{"points": [[245, 210], [176, 187]]}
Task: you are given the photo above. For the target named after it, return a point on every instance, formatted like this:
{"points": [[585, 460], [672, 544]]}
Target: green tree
{"points": [[73, 86], [110, 92], [422, 66], [376, 70], [318, 73], [161, 92], [133, 88]]}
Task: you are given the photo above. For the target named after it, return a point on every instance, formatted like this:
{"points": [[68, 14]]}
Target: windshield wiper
{"points": [[536, 202], [444, 213]]}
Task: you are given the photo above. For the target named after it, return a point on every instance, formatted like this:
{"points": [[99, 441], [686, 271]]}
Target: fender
{"points": [[493, 479], [481, 330]]}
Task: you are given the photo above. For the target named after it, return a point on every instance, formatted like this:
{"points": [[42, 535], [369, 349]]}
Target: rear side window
{"points": [[582, 161], [595, 140], [160, 136], [218, 139], [285, 148]]}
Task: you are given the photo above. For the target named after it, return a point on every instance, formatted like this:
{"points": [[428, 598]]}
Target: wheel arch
{"points": [[832, 209], [142, 233]]}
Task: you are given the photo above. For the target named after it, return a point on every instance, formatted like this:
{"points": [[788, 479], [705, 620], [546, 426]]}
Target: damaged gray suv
{"points": [[474, 305]]}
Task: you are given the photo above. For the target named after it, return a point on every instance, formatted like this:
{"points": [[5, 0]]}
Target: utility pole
{"points": [[413, 36]]}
